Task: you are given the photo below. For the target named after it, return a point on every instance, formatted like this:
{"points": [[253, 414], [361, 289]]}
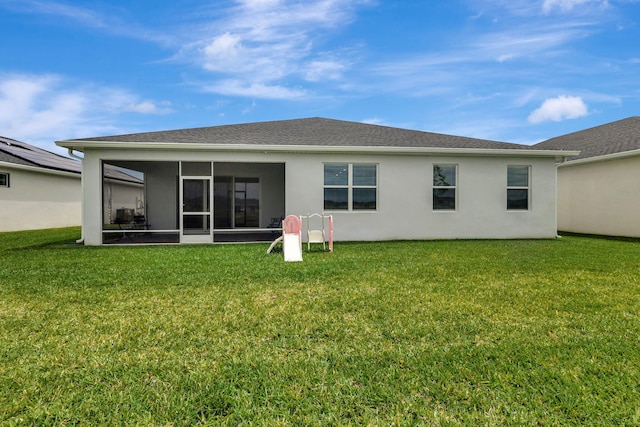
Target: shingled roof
{"points": [[12, 151], [615, 137], [307, 132]]}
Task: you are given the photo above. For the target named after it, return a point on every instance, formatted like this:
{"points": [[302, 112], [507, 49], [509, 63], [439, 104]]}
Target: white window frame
{"points": [[350, 186], [453, 187], [5, 183], [520, 187]]}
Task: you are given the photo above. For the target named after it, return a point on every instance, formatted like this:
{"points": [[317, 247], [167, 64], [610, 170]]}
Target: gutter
{"points": [[75, 156], [603, 158], [313, 149]]}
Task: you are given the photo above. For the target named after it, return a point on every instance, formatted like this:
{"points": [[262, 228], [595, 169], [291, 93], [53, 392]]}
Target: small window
{"points": [[350, 186], [4, 179], [518, 187], [444, 187]]}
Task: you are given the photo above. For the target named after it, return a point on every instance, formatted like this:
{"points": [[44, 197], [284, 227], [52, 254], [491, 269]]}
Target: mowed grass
{"points": [[439, 333]]}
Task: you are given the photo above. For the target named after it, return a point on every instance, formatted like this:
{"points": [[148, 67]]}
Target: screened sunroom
{"points": [[193, 202]]}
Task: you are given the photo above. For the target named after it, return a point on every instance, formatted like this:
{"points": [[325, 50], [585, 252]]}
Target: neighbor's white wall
{"points": [[600, 197], [404, 194], [121, 195], [38, 199]]}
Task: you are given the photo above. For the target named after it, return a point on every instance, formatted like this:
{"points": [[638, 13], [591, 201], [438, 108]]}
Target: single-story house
{"points": [[236, 182], [40, 189], [599, 190]]}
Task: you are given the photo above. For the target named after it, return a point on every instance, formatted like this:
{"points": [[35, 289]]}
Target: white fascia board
{"points": [[10, 165], [604, 158], [257, 148]]}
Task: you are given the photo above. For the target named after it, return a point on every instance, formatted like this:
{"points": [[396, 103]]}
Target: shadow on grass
{"points": [[601, 236]]}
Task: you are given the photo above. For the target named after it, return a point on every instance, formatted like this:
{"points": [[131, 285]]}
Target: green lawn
{"points": [[397, 333]]}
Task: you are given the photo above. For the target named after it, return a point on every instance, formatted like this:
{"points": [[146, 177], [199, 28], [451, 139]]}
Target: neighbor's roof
{"points": [[302, 133], [117, 174], [611, 138], [20, 153]]}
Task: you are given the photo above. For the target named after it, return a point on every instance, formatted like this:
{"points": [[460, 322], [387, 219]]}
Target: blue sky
{"points": [[508, 70]]}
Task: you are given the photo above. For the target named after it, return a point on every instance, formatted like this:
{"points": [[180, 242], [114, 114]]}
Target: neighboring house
{"points": [[122, 195], [599, 190], [40, 189], [235, 182]]}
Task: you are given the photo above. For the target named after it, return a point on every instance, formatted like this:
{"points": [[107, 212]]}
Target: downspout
{"points": [[556, 209], [562, 160], [80, 241], [75, 156]]}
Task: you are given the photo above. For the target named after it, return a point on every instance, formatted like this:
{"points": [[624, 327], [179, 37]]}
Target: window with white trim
{"points": [[444, 187], [4, 179], [351, 186], [518, 194]]}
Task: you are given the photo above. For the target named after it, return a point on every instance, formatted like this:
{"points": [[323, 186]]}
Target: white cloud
{"points": [[105, 20], [524, 8], [568, 5], [148, 107], [374, 121], [492, 9], [252, 61], [526, 41], [224, 46], [558, 109], [480, 60], [506, 57], [252, 89], [247, 110], [259, 3], [82, 15], [258, 43], [39, 109], [115, 101], [324, 70]]}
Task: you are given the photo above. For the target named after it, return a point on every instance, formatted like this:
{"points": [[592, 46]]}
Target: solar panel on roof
{"points": [[39, 156], [10, 158]]}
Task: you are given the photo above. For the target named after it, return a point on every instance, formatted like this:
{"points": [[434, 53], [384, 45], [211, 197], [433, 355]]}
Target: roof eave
{"points": [[603, 158], [80, 145]]}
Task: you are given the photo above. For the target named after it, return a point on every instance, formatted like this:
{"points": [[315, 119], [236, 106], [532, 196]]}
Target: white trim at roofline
{"points": [[79, 145], [603, 158], [39, 169]]}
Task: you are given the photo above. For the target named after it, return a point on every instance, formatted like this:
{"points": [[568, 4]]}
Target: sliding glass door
{"points": [[237, 202], [247, 202]]}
